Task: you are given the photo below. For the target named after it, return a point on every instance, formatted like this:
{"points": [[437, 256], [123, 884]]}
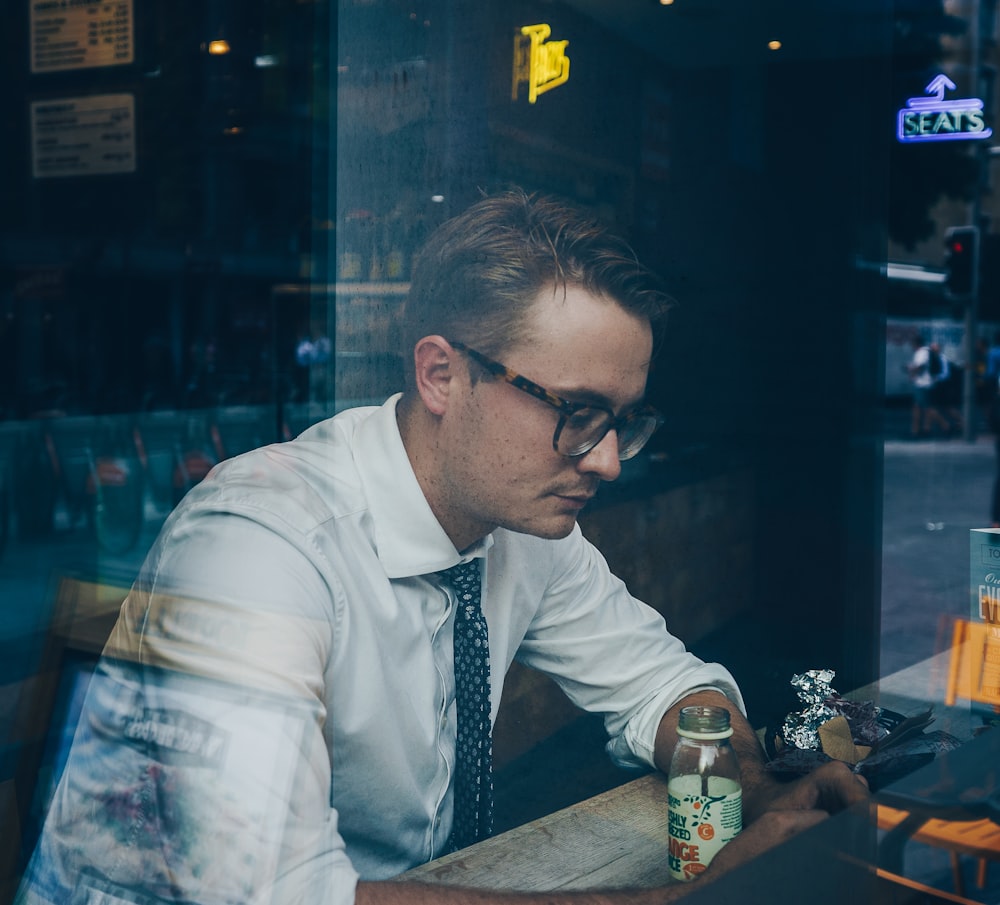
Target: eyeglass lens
{"points": [[584, 429]]}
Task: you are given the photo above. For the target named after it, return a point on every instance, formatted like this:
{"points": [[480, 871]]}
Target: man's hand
{"points": [[831, 787]]}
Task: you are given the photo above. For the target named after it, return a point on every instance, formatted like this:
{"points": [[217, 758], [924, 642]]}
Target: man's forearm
{"points": [[410, 893], [772, 829]]}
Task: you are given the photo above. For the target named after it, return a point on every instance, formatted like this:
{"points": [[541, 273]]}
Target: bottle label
{"points": [[704, 813]]}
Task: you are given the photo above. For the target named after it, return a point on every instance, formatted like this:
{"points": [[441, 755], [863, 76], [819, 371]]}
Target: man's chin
{"points": [[547, 529]]}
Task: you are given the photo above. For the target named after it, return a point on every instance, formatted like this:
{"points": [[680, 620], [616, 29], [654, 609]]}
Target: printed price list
{"points": [[83, 136], [81, 34]]}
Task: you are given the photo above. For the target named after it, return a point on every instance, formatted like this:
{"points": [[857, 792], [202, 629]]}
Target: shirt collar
{"points": [[409, 540]]}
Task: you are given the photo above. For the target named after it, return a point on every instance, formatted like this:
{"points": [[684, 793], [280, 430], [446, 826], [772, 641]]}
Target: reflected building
{"points": [[210, 215]]}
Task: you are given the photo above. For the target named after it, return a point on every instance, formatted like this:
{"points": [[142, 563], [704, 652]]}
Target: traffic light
{"points": [[961, 257]]}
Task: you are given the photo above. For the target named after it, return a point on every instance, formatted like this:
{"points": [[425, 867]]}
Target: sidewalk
{"points": [[934, 491]]}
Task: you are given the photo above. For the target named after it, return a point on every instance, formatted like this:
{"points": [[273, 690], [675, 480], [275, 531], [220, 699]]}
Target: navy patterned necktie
{"points": [[473, 814]]}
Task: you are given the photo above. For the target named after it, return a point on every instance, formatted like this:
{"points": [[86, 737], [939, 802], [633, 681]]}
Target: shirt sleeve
{"points": [[612, 654], [199, 771]]}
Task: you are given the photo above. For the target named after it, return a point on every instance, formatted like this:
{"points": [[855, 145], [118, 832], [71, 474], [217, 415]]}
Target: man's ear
{"points": [[434, 367]]}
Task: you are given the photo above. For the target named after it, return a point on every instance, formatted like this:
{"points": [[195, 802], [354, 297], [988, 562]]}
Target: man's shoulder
{"points": [[339, 426], [304, 481]]}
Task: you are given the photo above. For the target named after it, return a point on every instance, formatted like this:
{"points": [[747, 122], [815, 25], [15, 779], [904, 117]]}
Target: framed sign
{"points": [[83, 136], [80, 34]]}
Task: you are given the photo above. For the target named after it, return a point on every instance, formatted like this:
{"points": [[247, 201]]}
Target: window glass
{"points": [[208, 222]]}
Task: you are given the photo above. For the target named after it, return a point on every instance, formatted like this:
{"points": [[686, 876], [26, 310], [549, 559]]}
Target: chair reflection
{"points": [[973, 676], [979, 839]]}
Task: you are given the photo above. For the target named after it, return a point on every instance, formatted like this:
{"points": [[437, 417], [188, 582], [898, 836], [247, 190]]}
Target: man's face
{"points": [[498, 464]]}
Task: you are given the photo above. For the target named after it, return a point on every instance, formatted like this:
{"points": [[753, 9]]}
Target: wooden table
{"points": [[616, 839], [619, 839]]}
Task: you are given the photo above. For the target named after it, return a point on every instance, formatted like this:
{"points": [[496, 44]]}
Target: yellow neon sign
{"points": [[540, 64]]}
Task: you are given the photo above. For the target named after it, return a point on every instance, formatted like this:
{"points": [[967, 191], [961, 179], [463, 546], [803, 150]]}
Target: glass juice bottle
{"points": [[704, 794]]}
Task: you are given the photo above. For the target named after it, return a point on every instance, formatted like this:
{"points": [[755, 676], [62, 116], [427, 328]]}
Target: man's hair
{"points": [[479, 273]]}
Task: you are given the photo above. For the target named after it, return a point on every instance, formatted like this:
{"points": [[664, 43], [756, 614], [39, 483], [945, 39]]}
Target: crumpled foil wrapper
{"points": [[814, 689], [814, 686], [801, 729], [887, 745]]}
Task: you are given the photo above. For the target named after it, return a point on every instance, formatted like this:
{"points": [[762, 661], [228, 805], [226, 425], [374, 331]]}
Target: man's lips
{"points": [[576, 499]]}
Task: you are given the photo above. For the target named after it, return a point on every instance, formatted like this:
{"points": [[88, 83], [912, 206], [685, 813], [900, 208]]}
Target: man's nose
{"points": [[602, 459]]}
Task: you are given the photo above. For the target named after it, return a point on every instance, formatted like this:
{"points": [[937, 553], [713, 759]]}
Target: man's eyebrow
{"points": [[586, 396]]}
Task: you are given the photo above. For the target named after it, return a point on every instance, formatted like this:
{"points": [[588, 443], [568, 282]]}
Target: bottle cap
{"points": [[704, 722]]}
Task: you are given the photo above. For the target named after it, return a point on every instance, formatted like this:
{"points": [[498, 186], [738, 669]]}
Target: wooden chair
{"points": [[974, 676], [894, 889], [972, 838], [974, 665]]}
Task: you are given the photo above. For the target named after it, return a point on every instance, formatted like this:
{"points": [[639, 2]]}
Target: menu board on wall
{"points": [[83, 136], [81, 34]]}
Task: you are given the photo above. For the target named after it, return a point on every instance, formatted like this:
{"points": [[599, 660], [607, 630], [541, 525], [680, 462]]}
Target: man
{"points": [[946, 391], [925, 369], [275, 715]]}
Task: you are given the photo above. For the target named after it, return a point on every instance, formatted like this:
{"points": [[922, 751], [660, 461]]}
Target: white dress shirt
{"points": [[274, 714]]}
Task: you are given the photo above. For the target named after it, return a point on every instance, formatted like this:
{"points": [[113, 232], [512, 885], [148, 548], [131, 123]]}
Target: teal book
{"points": [[984, 575], [975, 671]]}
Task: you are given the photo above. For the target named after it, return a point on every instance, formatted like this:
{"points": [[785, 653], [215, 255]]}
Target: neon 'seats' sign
{"points": [[932, 118], [540, 64]]}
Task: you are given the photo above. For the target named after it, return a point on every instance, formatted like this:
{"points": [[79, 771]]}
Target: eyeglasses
{"points": [[581, 425]]}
